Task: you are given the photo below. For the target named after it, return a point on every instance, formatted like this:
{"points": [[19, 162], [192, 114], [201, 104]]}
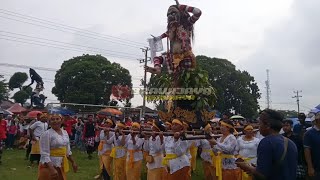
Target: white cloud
{"points": [[248, 33]]}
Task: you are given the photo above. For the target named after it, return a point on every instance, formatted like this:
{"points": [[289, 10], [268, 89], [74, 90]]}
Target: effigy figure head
{"points": [[173, 14], [177, 18]]}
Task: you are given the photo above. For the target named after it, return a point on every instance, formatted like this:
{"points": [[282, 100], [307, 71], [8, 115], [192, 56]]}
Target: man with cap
{"points": [[311, 144], [3, 133]]}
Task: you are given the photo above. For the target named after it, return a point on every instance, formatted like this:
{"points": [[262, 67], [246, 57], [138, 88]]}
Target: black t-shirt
{"points": [[299, 143], [90, 130]]}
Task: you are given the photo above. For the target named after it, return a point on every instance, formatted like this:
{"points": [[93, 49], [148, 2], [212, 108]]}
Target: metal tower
{"points": [[268, 97]]}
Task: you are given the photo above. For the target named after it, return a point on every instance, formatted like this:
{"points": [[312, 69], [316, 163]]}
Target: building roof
{"points": [[16, 108], [6, 104]]}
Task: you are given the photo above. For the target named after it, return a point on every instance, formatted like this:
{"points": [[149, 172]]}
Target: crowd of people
{"points": [[123, 149]]}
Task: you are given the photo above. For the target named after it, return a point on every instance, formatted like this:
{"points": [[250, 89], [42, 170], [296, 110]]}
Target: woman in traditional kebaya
{"points": [[176, 162], [104, 150], [118, 153], [207, 156], [154, 145], [55, 152], [226, 149], [134, 153], [248, 145]]}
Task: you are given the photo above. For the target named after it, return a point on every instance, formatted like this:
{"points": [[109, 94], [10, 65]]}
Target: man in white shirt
{"points": [[36, 130]]}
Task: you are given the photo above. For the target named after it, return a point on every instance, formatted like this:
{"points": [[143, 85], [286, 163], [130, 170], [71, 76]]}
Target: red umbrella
{"points": [[110, 111], [33, 114]]}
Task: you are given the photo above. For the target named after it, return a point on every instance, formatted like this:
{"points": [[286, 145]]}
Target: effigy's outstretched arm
{"points": [[157, 65], [195, 11]]}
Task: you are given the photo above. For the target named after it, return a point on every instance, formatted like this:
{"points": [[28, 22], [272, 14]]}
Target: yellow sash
{"points": [[61, 152], [245, 176], [131, 157], [167, 158], [35, 148], [100, 147], [114, 151], [218, 163], [193, 151]]}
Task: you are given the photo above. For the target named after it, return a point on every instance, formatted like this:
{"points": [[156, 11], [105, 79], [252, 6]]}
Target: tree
{"points": [[17, 80], [4, 91], [236, 90], [88, 79], [21, 97]]}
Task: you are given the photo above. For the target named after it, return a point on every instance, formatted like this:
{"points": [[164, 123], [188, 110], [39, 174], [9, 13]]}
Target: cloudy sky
{"points": [[281, 36]]}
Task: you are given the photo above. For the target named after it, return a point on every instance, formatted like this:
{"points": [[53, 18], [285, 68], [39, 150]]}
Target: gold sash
{"points": [[217, 161], [61, 152]]}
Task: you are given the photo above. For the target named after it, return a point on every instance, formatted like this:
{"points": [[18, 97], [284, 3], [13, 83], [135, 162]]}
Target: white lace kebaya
{"points": [[179, 148], [50, 139], [155, 149], [108, 142]]}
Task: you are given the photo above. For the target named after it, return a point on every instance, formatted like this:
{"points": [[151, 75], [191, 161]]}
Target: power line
{"points": [[41, 68], [89, 47], [68, 30], [68, 26], [27, 67], [39, 43]]}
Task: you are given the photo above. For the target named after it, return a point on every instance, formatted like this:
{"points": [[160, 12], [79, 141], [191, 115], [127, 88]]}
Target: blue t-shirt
{"points": [[269, 151], [312, 141]]}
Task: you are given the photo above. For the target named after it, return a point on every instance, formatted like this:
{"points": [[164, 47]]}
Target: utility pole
{"points": [[268, 97], [145, 61], [297, 96]]}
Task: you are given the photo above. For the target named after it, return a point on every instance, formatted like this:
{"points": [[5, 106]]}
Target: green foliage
{"points": [[21, 97], [197, 78], [17, 80], [28, 90], [236, 90], [4, 91], [233, 89], [88, 79]]}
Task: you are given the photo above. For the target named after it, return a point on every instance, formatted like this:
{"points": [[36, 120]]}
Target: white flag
{"points": [[155, 46]]}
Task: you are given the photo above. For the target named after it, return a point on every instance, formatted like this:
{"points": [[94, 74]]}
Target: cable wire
{"points": [[67, 26]]}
